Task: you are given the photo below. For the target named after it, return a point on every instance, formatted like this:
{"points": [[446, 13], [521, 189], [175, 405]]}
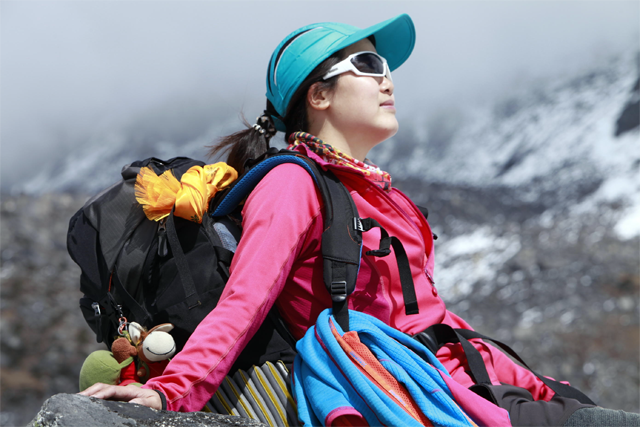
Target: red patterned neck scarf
{"points": [[332, 155]]}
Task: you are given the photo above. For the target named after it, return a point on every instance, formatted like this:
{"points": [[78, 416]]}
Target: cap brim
{"points": [[395, 39]]}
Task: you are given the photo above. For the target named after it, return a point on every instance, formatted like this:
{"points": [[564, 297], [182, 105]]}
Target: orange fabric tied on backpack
{"points": [[190, 195]]}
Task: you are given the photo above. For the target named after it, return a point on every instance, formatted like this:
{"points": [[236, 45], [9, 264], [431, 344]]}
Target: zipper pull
{"points": [[433, 282], [434, 291], [163, 247]]}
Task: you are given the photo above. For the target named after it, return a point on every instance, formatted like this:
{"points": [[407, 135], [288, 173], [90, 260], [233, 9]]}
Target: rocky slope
{"points": [[43, 336]]}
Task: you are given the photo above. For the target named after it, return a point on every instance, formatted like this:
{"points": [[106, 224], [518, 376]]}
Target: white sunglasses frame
{"points": [[346, 65]]}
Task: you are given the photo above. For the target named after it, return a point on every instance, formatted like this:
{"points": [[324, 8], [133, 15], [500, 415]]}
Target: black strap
{"points": [[107, 316], [191, 295], [561, 389], [385, 241], [406, 279], [224, 257], [128, 270], [140, 314], [443, 334], [404, 269], [341, 248], [278, 323]]}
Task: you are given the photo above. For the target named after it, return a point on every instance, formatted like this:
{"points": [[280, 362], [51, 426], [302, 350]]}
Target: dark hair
{"points": [[250, 143]]}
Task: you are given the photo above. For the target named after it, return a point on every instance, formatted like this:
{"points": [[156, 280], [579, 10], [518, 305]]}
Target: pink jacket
{"points": [[278, 261]]}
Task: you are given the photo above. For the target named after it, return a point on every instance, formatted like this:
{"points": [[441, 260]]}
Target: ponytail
{"points": [[252, 142], [246, 144]]}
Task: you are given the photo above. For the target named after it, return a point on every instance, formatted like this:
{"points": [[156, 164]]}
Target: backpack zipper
{"points": [[163, 248]]}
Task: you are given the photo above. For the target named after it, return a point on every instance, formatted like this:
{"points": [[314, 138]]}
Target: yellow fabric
{"points": [[282, 385], [274, 399], [190, 195]]}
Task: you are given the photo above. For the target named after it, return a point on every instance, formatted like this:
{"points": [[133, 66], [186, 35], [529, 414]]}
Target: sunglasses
{"points": [[362, 64]]}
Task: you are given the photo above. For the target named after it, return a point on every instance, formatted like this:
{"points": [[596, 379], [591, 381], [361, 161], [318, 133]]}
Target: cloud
{"points": [[72, 71]]}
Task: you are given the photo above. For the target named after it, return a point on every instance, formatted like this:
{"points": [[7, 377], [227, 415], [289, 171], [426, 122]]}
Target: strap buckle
{"points": [[338, 291], [96, 308], [427, 340]]}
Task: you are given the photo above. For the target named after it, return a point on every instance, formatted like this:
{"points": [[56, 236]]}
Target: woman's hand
{"points": [[128, 393]]}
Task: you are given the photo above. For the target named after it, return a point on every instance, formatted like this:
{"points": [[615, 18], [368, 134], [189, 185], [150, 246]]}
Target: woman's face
{"points": [[362, 108]]}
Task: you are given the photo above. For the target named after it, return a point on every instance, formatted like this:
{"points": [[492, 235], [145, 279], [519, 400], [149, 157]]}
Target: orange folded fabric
{"points": [[190, 195], [373, 369]]}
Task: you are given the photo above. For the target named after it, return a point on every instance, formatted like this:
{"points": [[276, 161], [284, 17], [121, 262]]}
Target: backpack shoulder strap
{"points": [[438, 335], [341, 238], [342, 235], [226, 202], [341, 248]]}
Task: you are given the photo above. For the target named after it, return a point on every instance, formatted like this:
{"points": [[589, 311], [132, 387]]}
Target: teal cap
{"points": [[305, 48]]}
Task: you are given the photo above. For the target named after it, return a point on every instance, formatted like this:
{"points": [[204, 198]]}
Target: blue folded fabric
{"points": [[327, 384]]}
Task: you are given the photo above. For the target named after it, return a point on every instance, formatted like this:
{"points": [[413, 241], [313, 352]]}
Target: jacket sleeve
{"points": [[276, 218]]}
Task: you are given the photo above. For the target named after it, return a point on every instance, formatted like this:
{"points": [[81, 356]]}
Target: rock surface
{"points": [[629, 118], [73, 410], [43, 337]]}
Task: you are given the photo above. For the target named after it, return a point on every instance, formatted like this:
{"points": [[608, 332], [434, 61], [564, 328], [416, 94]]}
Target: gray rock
{"points": [[74, 410]]}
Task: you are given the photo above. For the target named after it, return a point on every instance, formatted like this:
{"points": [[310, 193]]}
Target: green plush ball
{"points": [[101, 367]]}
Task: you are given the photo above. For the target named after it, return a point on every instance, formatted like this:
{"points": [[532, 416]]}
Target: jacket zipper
{"points": [[433, 282]]}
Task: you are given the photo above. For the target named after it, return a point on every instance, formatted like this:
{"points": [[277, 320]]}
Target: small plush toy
{"points": [[154, 348], [150, 349], [102, 366]]}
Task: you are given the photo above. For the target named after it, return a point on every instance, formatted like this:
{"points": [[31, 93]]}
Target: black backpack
{"points": [[135, 269]]}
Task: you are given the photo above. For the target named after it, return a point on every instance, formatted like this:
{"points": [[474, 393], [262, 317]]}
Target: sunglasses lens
{"points": [[368, 63]]}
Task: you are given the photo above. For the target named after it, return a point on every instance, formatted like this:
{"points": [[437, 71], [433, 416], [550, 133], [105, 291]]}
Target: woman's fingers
{"points": [[129, 393], [110, 392], [96, 388]]}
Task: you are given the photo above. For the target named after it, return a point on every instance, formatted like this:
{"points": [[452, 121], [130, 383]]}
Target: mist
{"points": [[76, 75]]}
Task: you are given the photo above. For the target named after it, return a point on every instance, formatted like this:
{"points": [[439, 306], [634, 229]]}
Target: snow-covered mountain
{"points": [[559, 137]]}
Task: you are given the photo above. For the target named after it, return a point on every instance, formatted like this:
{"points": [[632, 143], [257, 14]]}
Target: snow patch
{"points": [[628, 226], [469, 258]]}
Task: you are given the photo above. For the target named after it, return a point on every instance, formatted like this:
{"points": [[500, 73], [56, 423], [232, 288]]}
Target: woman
{"points": [[329, 88]]}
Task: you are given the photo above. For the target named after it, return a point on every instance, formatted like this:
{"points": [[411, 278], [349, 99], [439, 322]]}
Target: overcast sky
{"points": [[71, 71]]}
